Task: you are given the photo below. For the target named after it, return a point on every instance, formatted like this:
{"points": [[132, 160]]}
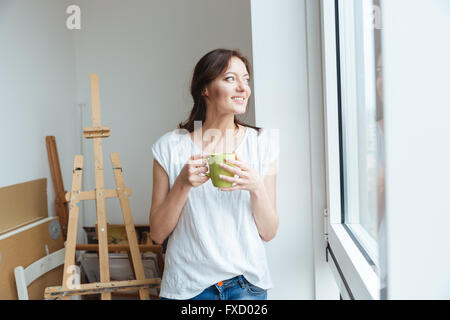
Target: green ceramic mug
{"points": [[214, 162]]}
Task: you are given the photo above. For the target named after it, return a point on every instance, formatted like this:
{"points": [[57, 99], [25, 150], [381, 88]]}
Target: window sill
{"points": [[360, 277], [367, 242]]}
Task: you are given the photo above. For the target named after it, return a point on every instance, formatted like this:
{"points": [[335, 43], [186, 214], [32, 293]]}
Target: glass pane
{"points": [[380, 171], [359, 122]]}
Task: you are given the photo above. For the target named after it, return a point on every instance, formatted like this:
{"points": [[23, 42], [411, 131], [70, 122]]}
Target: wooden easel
{"points": [[100, 194], [61, 204]]}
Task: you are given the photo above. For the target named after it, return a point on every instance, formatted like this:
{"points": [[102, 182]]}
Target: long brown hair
{"points": [[208, 68]]}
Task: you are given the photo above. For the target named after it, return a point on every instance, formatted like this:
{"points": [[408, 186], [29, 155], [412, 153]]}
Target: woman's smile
{"points": [[239, 99]]}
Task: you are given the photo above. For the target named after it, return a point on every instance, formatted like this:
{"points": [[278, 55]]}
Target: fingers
{"points": [[239, 162], [198, 170], [199, 156], [236, 187], [229, 179], [198, 160], [235, 170], [195, 178]]}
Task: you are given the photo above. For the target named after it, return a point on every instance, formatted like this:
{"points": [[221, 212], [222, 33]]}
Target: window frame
{"points": [[359, 89], [349, 265]]}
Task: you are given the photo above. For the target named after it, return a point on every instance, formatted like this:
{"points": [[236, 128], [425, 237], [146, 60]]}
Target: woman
{"points": [[216, 244]]}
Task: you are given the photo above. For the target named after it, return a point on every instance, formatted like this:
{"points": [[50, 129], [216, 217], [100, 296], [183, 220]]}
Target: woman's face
{"points": [[230, 91]]}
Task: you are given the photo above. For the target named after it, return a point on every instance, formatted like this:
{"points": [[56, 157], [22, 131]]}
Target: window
{"points": [[350, 32], [358, 123]]}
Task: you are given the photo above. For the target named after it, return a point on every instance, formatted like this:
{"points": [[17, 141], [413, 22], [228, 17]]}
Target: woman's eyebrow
{"points": [[236, 73]]}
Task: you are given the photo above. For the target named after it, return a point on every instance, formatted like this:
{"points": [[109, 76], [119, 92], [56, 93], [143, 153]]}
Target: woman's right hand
{"points": [[190, 174]]}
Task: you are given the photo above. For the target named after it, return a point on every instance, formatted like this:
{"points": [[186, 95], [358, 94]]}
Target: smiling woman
{"points": [[216, 235]]}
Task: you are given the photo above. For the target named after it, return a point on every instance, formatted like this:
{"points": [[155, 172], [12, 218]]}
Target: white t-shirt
{"points": [[216, 237]]}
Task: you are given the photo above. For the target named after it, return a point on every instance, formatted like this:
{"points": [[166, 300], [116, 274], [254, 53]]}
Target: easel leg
{"points": [[136, 260], [71, 241], [103, 241]]}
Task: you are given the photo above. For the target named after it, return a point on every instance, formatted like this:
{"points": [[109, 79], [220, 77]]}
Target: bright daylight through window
{"points": [[361, 127]]}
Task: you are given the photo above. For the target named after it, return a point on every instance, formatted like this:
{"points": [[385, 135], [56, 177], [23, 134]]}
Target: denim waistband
{"points": [[230, 282]]}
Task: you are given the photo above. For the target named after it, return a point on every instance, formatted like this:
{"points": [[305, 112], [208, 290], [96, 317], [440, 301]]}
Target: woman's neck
{"points": [[213, 139], [224, 125]]}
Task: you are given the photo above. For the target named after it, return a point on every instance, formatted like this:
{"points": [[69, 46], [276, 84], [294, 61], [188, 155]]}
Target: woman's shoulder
{"points": [[253, 132], [259, 138], [267, 140], [170, 149], [260, 135]]}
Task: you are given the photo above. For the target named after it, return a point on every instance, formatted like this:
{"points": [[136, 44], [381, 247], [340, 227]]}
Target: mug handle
{"points": [[207, 173]]}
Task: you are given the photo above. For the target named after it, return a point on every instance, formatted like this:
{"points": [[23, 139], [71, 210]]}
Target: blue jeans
{"points": [[237, 288]]}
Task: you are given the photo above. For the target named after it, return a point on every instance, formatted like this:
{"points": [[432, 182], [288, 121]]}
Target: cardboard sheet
{"points": [[22, 203]]}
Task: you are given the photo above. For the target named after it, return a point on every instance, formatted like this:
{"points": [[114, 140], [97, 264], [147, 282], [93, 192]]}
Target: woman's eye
{"points": [[232, 78]]}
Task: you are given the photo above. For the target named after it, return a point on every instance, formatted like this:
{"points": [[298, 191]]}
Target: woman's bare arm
{"points": [[167, 203]]}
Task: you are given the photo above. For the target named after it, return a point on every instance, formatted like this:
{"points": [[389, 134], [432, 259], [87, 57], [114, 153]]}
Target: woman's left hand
{"points": [[247, 178]]}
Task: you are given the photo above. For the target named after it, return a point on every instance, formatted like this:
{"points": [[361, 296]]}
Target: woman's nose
{"points": [[241, 86]]}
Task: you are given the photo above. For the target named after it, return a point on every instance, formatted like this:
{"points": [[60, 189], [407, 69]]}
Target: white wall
{"points": [[281, 93], [37, 91], [417, 112], [145, 53]]}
